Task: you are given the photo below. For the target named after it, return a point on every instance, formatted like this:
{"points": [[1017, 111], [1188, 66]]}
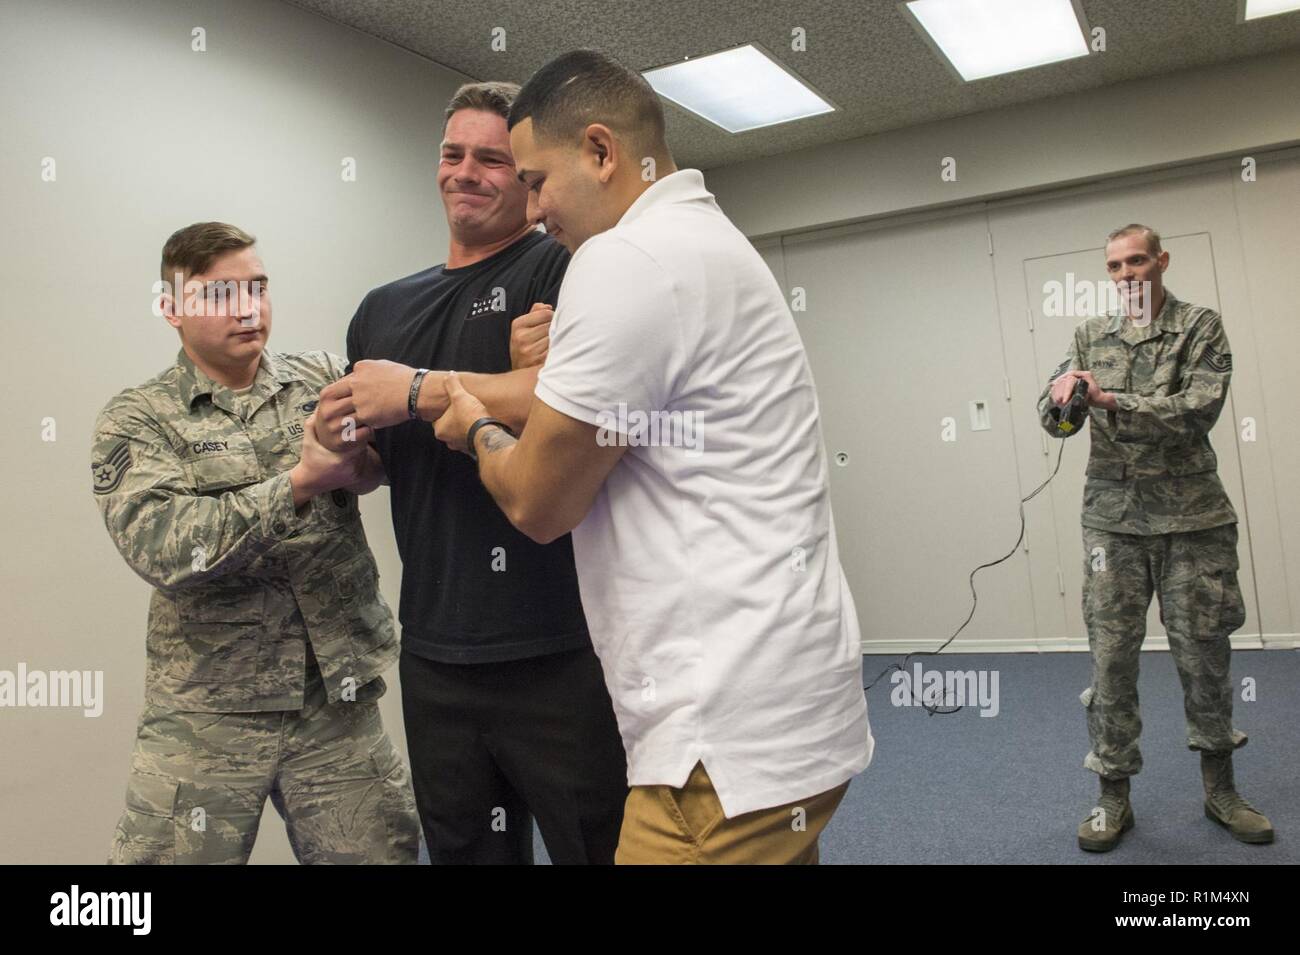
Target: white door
{"points": [[1062, 240], [902, 333]]}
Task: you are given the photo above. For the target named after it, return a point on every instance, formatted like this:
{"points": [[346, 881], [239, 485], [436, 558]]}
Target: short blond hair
{"points": [[1137, 228]]}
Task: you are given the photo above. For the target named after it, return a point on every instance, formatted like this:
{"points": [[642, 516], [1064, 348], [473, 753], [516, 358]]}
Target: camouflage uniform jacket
{"points": [[1151, 469], [193, 484]]}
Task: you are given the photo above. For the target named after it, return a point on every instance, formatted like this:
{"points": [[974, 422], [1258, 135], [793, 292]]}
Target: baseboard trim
{"points": [[898, 647]]}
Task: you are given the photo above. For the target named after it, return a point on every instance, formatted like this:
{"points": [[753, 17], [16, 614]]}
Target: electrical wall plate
{"points": [[979, 415]]}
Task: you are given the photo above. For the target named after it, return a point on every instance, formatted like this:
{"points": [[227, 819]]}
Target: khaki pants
{"points": [[686, 826]]}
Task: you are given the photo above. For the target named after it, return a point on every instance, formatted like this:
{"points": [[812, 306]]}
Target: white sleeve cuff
{"points": [[564, 406]]}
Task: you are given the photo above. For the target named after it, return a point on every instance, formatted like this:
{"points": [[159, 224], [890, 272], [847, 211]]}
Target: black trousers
{"points": [[495, 745]]}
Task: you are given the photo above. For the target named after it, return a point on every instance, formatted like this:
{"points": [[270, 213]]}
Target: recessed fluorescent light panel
{"points": [[738, 89], [981, 38], [1255, 9]]}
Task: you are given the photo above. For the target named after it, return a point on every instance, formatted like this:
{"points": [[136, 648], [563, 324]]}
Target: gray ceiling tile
{"points": [[862, 54]]}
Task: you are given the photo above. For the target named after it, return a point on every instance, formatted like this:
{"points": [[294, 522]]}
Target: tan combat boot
{"points": [[1226, 807], [1100, 832]]}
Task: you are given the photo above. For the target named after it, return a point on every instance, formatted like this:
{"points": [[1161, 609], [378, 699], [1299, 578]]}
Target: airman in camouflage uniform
{"points": [[1156, 519], [267, 633]]}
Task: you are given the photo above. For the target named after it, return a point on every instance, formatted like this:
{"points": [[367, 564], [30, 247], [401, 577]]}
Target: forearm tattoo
{"points": [[492, 440]]}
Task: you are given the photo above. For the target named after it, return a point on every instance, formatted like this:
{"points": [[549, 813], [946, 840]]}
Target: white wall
{"points": [[148, 136], [1153, 123], [922, 307]]}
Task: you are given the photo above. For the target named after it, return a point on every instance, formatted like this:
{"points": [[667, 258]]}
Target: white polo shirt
{"points": [[708, 566]]}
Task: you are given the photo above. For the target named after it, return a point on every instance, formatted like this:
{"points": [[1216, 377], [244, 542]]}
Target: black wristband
{"points": [[474, 430], [411, 410]]}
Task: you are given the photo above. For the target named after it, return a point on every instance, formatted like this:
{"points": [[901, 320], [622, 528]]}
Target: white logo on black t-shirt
{"points": [[494, 301]]}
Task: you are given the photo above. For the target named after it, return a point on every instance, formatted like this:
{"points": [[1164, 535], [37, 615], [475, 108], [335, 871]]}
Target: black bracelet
{"points": [[474, 430], [411, 409]]}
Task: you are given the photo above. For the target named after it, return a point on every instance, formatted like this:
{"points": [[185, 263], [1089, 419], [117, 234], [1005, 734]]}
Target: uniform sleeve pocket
{"points": [[335, 508]]}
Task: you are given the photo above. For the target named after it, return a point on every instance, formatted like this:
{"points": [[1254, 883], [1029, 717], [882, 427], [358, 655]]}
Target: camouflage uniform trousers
{"points": [[199, 781], [1194, 575]]}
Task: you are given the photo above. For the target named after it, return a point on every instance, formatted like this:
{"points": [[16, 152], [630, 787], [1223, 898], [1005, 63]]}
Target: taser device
{"points": [[1069, 417]]}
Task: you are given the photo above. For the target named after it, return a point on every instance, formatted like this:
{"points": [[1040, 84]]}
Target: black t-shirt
{"points": [[474, 589]]}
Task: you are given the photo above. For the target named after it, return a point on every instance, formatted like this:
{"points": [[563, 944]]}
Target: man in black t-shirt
{"points": [[507, 714]]}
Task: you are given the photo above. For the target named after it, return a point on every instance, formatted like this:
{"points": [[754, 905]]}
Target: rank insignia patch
{"points": [[108, 473], [1216, 361]]}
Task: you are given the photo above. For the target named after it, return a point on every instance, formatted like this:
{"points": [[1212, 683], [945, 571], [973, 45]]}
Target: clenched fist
{"points": [[319, 469], [530, 336], [380, 390], [337, 427]]}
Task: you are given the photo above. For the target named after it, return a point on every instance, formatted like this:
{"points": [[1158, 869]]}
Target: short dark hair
{"points": [[491, 97], [191, 250], [583, 87]]}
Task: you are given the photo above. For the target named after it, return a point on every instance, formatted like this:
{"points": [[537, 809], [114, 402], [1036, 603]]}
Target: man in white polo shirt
{"points": [[675, 432]]}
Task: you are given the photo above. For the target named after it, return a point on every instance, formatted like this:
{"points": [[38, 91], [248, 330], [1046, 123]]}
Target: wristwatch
{"points": [[474, 430]]}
